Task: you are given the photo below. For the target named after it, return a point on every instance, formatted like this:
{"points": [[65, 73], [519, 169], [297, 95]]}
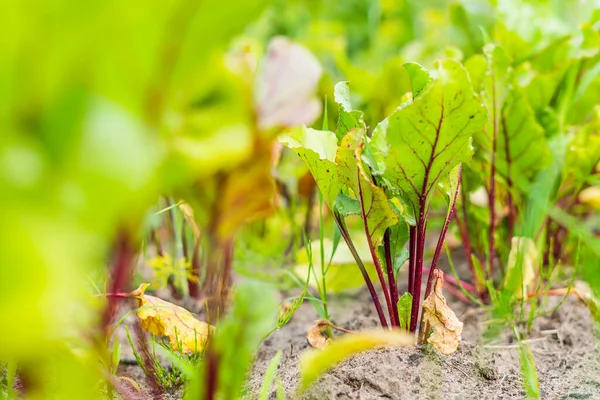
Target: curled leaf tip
{"points": [[139, 292]]}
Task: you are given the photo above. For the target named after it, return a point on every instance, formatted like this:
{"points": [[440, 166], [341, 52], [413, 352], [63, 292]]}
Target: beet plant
{"points": [[388, 177]]}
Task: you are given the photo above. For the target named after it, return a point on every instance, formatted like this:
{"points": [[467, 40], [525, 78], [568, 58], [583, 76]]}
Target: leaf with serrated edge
{"points": [[433, 134], [317, 149], [375, 207]]}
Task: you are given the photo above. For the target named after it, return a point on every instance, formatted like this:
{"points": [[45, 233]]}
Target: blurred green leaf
{"points": [[522, 268], [252, 314]]}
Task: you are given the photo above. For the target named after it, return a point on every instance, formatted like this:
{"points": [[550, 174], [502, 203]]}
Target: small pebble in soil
{"points": [[578, 396], [416, 357], [487, 371]]}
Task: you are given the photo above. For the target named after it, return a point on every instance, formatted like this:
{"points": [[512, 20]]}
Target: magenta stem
{"points": [[376, 262], [395, 318], [361, 267]]}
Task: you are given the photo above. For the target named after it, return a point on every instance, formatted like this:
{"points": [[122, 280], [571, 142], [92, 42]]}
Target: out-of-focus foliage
{"points": [[92, 94], [254, 312], [105, 106]]}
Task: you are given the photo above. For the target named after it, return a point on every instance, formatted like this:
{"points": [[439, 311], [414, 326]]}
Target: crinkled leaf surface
{"points": [[446, 326], [315, 362], [317, 149], [433, 134], [375, 207], [162, 318]]}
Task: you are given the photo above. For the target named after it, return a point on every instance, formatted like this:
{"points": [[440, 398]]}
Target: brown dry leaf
{"points": [[446, 326], [315, 335], [162, 318]]}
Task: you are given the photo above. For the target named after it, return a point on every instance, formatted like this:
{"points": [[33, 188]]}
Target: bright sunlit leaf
{"points": [[161, 318]]}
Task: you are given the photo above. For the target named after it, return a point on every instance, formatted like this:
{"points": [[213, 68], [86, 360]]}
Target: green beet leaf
{"points": [[522, 149], [376, 211], [348, 118], [431, 136], [419, 78], [317, 149], [404, 309]]}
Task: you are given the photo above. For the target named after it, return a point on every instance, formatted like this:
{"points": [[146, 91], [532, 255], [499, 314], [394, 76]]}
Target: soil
{"points": [[565, 350], [563, 344]]}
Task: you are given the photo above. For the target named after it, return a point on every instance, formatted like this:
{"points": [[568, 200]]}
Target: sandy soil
{"points": [[563, 344], [566, 352]]}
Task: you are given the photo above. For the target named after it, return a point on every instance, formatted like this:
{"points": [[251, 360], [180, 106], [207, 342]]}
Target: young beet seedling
{"points": [[389, 177]]}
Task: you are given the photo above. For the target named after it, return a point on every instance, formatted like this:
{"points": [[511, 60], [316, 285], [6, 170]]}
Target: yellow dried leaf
{"points": [[440, 317], [161, 318], [315, 335]]}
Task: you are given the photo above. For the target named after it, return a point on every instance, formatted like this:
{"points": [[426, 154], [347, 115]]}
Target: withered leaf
{"points": [[161, 318], [315, 335], [436, 312]]}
